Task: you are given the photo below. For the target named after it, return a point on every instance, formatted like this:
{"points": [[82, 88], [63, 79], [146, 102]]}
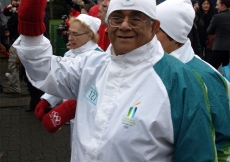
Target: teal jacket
{"points": [[218, 97]]}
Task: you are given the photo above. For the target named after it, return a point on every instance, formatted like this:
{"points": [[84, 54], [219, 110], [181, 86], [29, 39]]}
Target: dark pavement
{"points": [[22, 136]]}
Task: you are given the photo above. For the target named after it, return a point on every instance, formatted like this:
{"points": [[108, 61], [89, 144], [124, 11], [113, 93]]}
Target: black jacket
{"points": [[220, 26], [195, 40]]}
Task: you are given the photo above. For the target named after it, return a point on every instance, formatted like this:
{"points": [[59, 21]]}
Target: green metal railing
{"points": [[59, 46]]}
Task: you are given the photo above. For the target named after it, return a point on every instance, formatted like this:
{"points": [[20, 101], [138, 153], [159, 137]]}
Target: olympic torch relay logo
{"points": [[132, 110], [129, 120], [55, 118]]}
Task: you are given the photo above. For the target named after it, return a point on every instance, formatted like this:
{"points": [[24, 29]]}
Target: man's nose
{"points": [[125, 24]]}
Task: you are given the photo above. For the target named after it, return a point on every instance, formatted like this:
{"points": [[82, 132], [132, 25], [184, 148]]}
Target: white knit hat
{"points": [[176, 18], [93, 22], [148, 7]]}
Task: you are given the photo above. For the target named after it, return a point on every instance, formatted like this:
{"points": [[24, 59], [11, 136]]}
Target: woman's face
{"points": [[78, 35], [206, 5]]}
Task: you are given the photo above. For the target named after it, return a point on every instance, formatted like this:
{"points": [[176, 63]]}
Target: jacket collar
{"points": [[151, 52], [185, 53], [227, 9], [90, 45]]}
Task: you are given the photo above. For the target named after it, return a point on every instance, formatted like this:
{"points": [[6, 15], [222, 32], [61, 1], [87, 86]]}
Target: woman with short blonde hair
{"points": [[93, 35]]}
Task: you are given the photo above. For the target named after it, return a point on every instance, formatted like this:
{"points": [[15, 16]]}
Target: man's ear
{"points": [[155, 26]]}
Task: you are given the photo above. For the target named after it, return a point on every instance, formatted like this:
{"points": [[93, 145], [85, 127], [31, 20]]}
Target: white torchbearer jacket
{"points": [[143, 106], [90, 46]]}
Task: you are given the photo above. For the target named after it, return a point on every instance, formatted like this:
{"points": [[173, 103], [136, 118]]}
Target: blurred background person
{"points": [[220, 27], [13, 61], [204, 17], [3, 22], [2, 41], [85, 8], [194, 34], [11, 10], [104, 41]]}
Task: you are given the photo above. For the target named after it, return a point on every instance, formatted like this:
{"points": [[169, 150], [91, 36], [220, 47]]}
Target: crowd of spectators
{"points": [[210, 36], [11, 30]]}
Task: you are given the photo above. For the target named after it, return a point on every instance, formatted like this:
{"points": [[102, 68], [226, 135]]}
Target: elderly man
{"points": [[135, 103]]}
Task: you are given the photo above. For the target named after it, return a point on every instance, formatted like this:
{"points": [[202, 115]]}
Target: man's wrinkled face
{"points": [[124, 37]]}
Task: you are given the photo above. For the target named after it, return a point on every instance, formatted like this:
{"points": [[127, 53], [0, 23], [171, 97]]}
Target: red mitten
{"points": [[41, 109], [30, 17], [59, 116]]}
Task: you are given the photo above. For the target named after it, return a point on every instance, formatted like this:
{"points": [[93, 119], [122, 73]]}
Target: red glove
{"points": [[59, 116], [41, 108], [30, 17]]}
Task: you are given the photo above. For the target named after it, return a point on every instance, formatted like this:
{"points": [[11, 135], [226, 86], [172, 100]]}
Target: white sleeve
{"points": [[53, 100], [52, 74]]}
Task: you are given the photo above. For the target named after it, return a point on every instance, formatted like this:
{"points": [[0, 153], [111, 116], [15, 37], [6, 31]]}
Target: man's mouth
{"points": [[125, 37]]}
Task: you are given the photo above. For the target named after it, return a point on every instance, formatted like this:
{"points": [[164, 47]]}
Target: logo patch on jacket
{"points": [[129, 119], [92, 95]]}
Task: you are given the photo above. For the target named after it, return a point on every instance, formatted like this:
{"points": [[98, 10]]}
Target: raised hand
{"points": [[30, 17]]}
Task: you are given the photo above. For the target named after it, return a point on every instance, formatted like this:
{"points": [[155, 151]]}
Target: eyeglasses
{"points": [[133, 22], [75, 34]]}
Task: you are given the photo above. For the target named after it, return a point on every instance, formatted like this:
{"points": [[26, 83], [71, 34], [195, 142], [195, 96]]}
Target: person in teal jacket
{"points": [[173, 37]]}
